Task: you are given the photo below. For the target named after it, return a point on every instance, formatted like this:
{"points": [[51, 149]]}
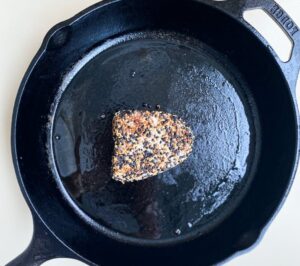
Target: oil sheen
{"points": [[183, 77]]}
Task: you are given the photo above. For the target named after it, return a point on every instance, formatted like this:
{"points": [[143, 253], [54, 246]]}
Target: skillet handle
{"points": [[43, 247], [236, 9]]}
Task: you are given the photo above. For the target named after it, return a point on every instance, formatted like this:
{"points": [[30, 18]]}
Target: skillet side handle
{"points": [[236, 9], [292, 67], [43, 247]]}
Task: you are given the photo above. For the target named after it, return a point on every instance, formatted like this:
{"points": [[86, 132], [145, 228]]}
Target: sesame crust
{"points": [[148, 143]]}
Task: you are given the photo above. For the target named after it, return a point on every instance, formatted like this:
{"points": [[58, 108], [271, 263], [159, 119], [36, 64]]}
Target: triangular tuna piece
{"points": [[148, 143]]}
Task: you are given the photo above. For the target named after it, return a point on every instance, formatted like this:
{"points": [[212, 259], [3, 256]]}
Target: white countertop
{"points": [[23, 25]]}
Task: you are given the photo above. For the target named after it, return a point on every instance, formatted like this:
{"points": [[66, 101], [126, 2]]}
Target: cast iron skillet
{"points": [[197, 59]]}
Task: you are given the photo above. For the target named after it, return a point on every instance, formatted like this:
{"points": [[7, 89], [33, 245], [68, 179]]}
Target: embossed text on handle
{"points": [[284, 20]]}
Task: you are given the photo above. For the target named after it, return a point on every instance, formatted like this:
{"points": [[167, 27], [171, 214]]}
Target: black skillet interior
{"points": [[220, 79], [184, 77]]}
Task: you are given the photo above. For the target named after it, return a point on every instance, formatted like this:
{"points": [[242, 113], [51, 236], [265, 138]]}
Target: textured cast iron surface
{"points": [[185, 78]]}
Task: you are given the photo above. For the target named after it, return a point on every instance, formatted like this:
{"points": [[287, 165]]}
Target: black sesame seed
{"points": [[148, 154]]}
